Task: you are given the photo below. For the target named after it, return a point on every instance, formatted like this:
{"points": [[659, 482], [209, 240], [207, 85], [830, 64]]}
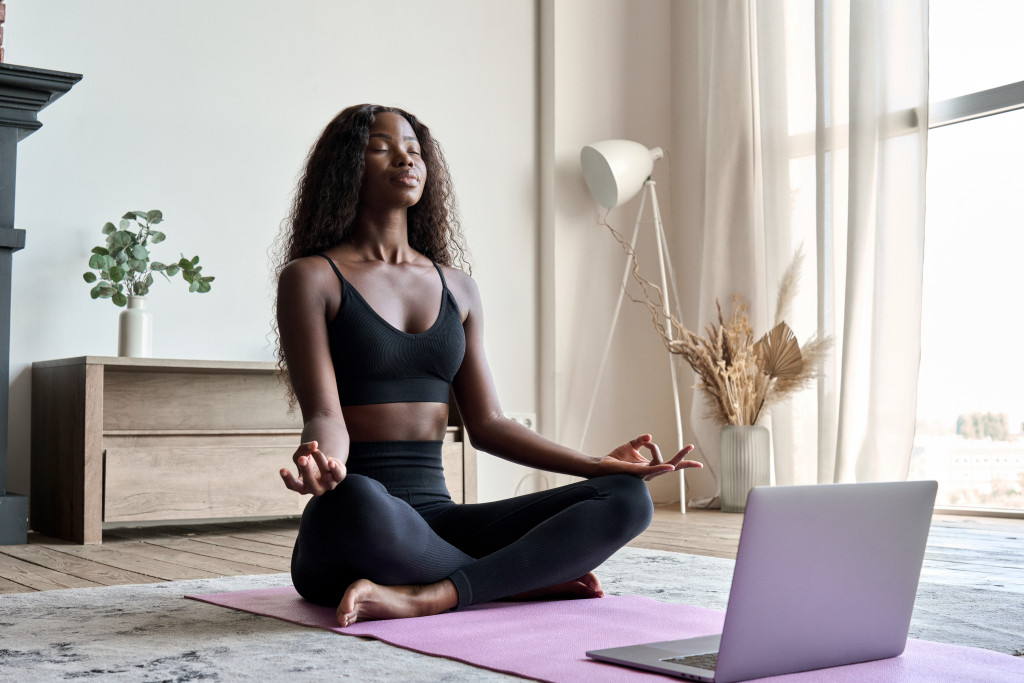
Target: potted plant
{"points": [[739, 375], [124, 274]]}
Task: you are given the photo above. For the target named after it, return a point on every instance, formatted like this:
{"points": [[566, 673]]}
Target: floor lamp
{"points": [[615, 170]]}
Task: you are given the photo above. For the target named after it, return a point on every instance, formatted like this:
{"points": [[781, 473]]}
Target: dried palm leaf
{"points": [[736, 377], [778, 353]]}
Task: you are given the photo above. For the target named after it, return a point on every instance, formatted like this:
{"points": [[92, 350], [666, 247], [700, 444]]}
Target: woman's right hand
{"points": [[318, 474]]}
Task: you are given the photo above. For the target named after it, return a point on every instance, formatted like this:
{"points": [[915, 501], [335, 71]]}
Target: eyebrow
{"points": [[388, 136]]}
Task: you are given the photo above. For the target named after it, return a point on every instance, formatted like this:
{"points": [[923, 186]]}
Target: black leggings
{"points": [[392, 521]]}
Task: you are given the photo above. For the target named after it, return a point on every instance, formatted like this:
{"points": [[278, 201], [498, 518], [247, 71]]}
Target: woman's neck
{"points": [[383, 236]]}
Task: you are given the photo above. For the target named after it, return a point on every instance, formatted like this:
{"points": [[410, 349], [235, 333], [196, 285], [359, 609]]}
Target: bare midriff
{"points": [[397, 421]]}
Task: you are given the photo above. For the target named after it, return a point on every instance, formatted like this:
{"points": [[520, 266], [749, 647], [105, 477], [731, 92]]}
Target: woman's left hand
{"points": [[627, 459]]}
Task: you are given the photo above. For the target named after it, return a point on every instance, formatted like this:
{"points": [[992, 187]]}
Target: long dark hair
{"points": [[326, 203]]}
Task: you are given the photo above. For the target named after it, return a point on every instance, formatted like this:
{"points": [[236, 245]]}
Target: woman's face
{"points": [[395, 172]]}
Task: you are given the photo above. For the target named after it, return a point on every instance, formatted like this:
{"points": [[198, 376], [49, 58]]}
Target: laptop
{"points": [[825, 575]]}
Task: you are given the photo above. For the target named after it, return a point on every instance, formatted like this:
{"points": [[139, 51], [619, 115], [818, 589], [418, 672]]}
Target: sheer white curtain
{"points": [[814, 117]]}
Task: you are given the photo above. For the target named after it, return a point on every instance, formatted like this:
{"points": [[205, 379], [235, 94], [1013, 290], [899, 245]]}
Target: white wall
{"points": [[205, 110], [607, 75]]}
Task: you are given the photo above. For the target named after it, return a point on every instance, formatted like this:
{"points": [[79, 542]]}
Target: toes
{"points": [[348, 609]]}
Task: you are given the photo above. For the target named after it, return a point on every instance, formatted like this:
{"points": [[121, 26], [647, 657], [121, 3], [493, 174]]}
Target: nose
{"points": [[403, 158]]}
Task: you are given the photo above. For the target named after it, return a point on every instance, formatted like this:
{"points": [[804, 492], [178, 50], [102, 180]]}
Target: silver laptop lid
{"points": [[826, 573]]}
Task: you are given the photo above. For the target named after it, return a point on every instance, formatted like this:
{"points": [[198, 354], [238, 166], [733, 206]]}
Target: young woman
{"points": [[376, 324]]}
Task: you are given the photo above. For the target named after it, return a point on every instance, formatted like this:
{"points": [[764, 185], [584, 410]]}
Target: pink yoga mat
{"points": [[548, 640]]}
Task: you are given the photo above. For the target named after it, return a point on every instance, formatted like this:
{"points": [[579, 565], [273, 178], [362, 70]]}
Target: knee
{"points": [[360, 515], [353, 492], [345, 506], [631, 502]]}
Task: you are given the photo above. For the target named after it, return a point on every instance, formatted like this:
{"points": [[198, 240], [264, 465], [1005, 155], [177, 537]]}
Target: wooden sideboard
{"points": [[124, 440]]}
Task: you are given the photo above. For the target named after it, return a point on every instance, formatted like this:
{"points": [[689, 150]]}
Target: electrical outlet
{"points": [[528, 420]]}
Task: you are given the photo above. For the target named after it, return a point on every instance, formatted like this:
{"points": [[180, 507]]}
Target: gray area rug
{"points": [[150, 633]]}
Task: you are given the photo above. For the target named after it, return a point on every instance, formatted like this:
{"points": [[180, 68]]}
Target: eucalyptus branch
{"points": [[124, 268]]}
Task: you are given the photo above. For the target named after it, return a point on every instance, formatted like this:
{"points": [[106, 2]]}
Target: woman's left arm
{"points": [[490, 431]]}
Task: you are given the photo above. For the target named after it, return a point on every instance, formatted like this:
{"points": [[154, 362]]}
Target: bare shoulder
{"points": [[304, 268], [463, 286], [307, 271], [458, 279], [306, 277]]}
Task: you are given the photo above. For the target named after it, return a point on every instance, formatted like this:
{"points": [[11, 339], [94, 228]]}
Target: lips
{"points": [[406, 178]]}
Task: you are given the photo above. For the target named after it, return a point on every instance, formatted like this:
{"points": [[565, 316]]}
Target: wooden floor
{"points": [[964, 550]]}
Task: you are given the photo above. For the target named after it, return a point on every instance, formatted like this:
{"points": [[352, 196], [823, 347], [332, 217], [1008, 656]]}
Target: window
{"points": [[970, 433]]}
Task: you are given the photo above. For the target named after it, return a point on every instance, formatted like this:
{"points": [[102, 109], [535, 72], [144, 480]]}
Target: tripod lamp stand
{"points": [[615, 170]]}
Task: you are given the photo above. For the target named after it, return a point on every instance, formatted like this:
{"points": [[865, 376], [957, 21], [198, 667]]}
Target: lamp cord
{"points": [[615, 318]]}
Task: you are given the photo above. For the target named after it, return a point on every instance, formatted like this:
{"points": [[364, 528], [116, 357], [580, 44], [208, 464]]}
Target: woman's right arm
{"points": [[304, 293]]}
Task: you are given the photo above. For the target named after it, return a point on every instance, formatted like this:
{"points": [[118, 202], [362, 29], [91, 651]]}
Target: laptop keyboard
{"points": [[707, 661]]}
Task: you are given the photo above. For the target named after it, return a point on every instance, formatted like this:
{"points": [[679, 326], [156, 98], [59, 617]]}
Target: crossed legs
{"points": [[375, 556]]}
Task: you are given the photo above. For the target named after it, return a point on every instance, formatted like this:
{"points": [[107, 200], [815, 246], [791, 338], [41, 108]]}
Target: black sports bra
{"points": [[374, 362]]}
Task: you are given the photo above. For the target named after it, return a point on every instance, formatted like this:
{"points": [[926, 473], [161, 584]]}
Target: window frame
{"points": [[976, 105]]}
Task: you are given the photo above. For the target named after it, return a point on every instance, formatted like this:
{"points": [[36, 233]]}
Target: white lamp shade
{"points": [[615, 170]]}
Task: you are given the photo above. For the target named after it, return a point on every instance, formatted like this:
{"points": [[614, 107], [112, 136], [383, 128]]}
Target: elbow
{"points": [[484, 435], [474, 439]]}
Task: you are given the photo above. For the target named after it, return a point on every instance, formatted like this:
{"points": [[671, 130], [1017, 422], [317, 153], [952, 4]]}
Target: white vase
{"points": [[135, 329], [746, 453]]}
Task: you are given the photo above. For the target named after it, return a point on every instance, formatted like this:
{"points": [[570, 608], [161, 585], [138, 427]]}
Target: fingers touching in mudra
{"points": [[318, 474], [628, 458]]}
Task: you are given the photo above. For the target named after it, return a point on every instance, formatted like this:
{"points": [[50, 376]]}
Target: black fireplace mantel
{"points": [[24, 92]]}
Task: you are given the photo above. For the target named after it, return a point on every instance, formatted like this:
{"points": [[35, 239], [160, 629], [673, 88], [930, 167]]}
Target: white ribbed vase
{"points": [[746, 453], [135, 329]]}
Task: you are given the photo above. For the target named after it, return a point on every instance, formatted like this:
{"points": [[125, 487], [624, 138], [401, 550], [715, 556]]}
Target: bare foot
{"points": [[366, 601], [586, 586]]}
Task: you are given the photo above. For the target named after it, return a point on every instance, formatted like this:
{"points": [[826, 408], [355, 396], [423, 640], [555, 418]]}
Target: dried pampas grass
{"points": [[738, 377]]}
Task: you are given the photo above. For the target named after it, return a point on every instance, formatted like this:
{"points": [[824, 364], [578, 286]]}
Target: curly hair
{"points": [[326, 204]]}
